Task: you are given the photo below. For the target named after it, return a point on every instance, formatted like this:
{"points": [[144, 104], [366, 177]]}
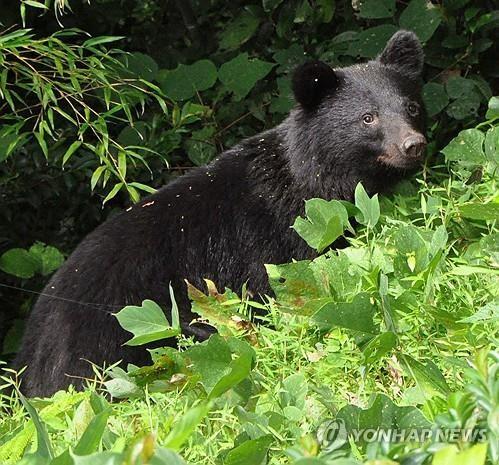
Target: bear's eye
{"points": [[413, 108], [368, 118]]}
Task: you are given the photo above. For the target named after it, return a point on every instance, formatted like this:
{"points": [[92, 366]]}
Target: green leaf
{"points": [[480, 211], [41, 142], [252, 452], [451, 455], [466, 147], [375, 9], [240, 368], [200, 148], [35, 4], [356, 315], [183, 82], [72, 149], [143, 187], [101, 40], [378, 347], [147, 323], [49, 257], [492, 145], [213, 360], [381, 414], [185, 426], [44, 448], [112, 193], [96, 176], [20, 263], [140, 65], [493, 108], [122, 386], [421, 17], [428, 377], [325, 222], [240, 74], [294, 285], [435, 98], [92, 436], [99, 458], [238, 31], [369, 207], [370, 42]]}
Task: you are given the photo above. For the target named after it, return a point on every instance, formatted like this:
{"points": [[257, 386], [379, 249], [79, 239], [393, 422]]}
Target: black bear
{"points": [[226, 220]]}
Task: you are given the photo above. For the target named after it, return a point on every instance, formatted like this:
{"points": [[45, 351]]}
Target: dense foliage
{"points": [[87, 127]]}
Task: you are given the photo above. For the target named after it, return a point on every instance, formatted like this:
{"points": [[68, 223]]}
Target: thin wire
{"points": [[89, 304]]}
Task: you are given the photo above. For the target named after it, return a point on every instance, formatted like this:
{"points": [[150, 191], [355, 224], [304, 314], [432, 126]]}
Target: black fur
{"points": [[404, 53], [312, 81], [226, 220]]}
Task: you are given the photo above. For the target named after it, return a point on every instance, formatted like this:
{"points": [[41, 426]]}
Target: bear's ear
{"points": [[404, 53], [312, 81]]}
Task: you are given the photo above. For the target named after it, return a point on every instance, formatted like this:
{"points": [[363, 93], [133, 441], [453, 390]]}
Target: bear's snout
{"points": [[414, 146]]}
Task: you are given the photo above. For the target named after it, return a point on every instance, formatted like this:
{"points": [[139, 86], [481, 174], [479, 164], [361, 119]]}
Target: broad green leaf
{"points": [[238, 31], [375, 9], [140, 65], [435, 98], [185, 426], [467, 147], [356, 315], [369, 207], [325, 222], [92, 436], [49, 257], [370, 42], [428, 377], [294, 285], [421, 17], [412, 251], [487, 313], [99, 458], [221, 365], [252, 452], [492, 145], [147, 323], [20, 263], [293, 391], [164, 456], [451, 455], [240, 369], [183, 82], [120, 388], [493, 109], [200, 147], [240, 74], [378, 347], [381, 414], [480, 211], [218, 309]]}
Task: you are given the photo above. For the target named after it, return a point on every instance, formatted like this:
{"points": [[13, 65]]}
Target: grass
{"points": [[429, 267]]}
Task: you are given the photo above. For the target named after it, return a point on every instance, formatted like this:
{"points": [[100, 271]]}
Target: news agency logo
{"points": [[332, 434]]}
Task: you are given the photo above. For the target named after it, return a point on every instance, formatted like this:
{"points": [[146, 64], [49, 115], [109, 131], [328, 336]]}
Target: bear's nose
{"points": [[414, 145]]}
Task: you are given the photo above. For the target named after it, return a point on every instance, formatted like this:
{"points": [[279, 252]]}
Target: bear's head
{"points": [[360, 123]]}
